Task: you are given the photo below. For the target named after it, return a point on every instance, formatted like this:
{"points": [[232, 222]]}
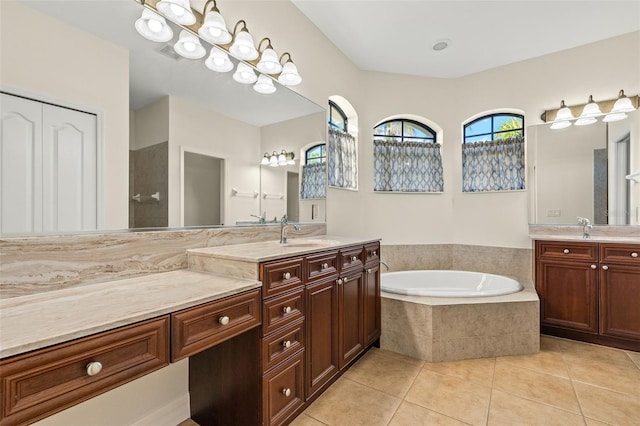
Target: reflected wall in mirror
{"points": [[149, 106], [585, 171]]}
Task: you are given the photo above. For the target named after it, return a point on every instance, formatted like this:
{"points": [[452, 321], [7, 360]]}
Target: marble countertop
{"points": [[270, 250], [593, 239], [43, 319]]}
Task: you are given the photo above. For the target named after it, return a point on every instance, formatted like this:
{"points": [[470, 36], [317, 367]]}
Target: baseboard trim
{"points": [[169, 415]]}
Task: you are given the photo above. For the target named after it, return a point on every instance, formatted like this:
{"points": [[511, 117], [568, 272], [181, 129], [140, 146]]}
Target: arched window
{"points": [[493, 153], [337, 118], [342, 147], [406, 157], [315, 154]]}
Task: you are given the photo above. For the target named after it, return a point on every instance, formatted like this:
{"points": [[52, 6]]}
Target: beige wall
{"points": [[50, 64]]}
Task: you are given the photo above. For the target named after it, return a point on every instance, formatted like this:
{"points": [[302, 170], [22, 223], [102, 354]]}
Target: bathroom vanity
{"points": [[590, 290], [265, 335]]}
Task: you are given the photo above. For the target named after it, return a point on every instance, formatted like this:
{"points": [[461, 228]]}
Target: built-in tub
{"points": [[437, 283]]}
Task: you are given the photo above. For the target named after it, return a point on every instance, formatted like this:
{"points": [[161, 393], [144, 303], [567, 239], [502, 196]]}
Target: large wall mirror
{"points": [[585, 171], [191, 154]]}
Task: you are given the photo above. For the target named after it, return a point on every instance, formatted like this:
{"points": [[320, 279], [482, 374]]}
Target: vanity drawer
{"points": [[282, 344], [278, 277], [567, 250], [351, 258], [198, 328], [283, 391], [620, 253], [45, 381], [282, 310], [372, 253], [321, 265]]}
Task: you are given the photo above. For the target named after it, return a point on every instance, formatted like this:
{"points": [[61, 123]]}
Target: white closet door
{"points": [[69, 170], [21, 165]]}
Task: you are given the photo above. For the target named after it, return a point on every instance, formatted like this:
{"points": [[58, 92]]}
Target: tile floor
{"points": [[567, 383]]}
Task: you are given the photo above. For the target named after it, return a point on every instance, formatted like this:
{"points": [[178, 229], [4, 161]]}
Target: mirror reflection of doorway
{"points": [[203, 180], [293, 197]]}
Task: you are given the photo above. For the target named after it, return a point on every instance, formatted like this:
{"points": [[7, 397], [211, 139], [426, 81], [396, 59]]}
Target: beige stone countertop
{"points": [[593, 239], [43, 319], [270, 250]]}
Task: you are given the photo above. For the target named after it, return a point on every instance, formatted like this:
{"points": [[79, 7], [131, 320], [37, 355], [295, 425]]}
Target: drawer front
{"points": [[201, 327], [372, 253], [282, 391], [620, 253], [282, 344], [282, 310], [278, 277], [567, 250], [321, 266], [45, 381], [351, 258]]}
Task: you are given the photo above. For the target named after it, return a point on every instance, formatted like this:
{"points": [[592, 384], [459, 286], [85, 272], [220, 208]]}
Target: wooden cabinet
{"points": [[372, 327], [590, 291], [350, 316]]}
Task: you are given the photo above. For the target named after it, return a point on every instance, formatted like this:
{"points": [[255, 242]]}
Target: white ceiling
{"points": [[397, 35]]}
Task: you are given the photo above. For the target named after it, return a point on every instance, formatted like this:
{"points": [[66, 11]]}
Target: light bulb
{"points": [[154, 25]]}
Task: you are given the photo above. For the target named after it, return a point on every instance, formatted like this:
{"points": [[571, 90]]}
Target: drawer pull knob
{"points": [[339, 281], [354, 258], [286, 309], [286, 392], [593, 266], [224, 320], [345, 279], [94, 368], [374, 253], [369, 271], [286, 275], [565, 251], [605, 267], [324, 266], [286, 344], [634, 254]]}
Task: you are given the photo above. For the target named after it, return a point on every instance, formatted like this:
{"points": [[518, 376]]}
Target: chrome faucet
{"points": [[385, 265], [284, 223], [261, 219], [586, 227]]}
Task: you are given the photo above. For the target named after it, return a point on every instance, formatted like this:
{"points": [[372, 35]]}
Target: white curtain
{"points": [[314, 179], [407, 166], [493, 166], [342, 160]]}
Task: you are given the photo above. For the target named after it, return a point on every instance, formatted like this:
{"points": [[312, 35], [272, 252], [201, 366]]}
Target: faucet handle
{"points": [[284, 219]]}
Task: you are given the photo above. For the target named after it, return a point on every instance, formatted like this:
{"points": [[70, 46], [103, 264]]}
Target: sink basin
{"points": [[301, 243]]}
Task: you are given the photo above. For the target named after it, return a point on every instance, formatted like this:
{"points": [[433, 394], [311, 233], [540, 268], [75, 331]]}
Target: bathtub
{"points": [[436, 283]]}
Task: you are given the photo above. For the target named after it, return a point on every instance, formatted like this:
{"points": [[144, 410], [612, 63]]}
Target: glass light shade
{"points": [[244, 74], [189, 46], [289, 75], [614, 116], [622, 105], [560, 124], [153, 27], [264, 85], [265, 159], [290, 158], [591, 109], [564, 113], [273, 161], [585, 121], [269, 63], [177, 10], [282, 158], [243, 47], [214, 29], [218, 61]]}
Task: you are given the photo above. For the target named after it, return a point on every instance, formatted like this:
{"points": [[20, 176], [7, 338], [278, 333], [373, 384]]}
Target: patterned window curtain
{"points": [[407, 166], [493, 166], [314, 178], [342, 162]]}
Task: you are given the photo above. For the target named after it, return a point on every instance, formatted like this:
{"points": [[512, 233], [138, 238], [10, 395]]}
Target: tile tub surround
{"points": [[30, 265]]}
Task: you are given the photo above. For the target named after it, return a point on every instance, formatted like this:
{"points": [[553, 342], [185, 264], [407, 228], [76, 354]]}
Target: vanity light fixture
{"points": [[612, 109], [274, 160], [178, 11], [153, 27], [218, 61], [214, 29], [189, 46], [562, 117], [242, 46], [244, 74], [622, 106], [289, 75], [269, 63], [589, 113], [264, 85]]}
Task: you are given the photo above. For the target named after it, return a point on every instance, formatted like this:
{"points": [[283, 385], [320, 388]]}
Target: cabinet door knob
{"points": [[286, 344], [354, 258], [223, 320], [286, 309], [286, 392], [565, 251], [634, 254], [339, 281], [605, 267], [345, 279], [593, 266], [369, 271], [94, 368], [324, 266], [286, 275], [374, 253]]}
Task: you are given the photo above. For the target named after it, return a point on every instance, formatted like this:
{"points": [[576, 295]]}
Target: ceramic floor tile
{"points": [[451, 396], [543, 362], [411, 415], [479, 371], [635, 357], [385, 373], [610, 376], [608, 406], [304, 420], [596, 353], [540, 387], [550, 344], [349, 403], [592, 422], [509, 409], [399, 357]]}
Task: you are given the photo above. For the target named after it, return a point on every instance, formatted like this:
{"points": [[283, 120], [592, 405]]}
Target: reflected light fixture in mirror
{"points": [[153, 27], [189, 46], [214, 29], [178, 11], [218, 61], [264, 85], [274, 160], [244, 74]]}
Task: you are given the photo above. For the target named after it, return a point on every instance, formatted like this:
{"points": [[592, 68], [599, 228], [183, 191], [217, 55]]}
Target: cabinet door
{"points": [[372, 305], [322, 334], [620, 301], [568, 295], [351, 327]]}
